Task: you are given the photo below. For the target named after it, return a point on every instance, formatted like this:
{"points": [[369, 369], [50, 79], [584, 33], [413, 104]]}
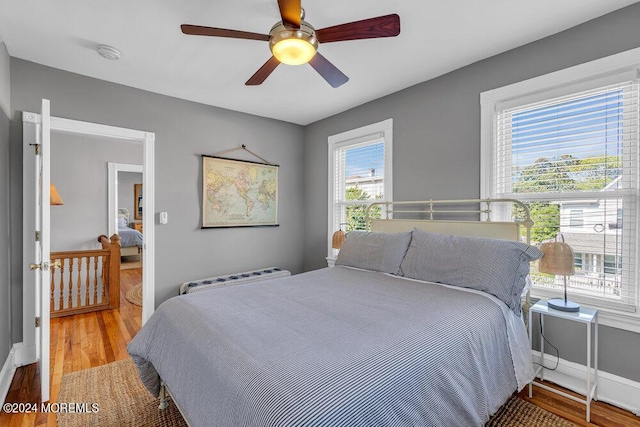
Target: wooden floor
{"points": [[77, 342], [602, 414], [89, 340]]}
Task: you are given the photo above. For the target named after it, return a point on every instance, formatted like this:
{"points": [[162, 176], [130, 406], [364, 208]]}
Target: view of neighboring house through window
{"points": [[574, 160], [360, 173]]}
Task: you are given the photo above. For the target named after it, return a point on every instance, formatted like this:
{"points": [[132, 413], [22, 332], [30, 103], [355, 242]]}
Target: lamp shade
{"points": [[557, 259], [338, 239], [54, 197]]}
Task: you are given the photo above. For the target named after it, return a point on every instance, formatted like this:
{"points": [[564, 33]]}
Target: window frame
{"points": [[597, 73], [371, 133]]}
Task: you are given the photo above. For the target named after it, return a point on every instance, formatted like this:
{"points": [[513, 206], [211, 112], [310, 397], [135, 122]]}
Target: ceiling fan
{"points": [[294, 41]]}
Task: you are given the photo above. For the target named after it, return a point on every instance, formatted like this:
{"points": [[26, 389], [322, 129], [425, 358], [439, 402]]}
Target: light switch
{"points": [[163, 218]]}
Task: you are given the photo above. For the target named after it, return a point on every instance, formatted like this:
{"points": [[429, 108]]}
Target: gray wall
{"points": [[183, 130], [436, 145], [79, 172], [5, 238], [126, 181]]}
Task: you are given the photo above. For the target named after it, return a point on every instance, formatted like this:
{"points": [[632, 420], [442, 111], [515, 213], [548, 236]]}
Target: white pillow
{"points": [[122, 222]]}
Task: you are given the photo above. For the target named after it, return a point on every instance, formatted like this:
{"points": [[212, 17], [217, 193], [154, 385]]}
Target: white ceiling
{"points": [[436, 37]]}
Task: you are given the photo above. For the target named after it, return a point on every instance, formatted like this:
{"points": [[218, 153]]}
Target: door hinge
{"points": [[38, 322], [37, 236], [37, 148]]}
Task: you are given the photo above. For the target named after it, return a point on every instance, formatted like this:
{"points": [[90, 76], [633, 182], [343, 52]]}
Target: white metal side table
{"points": [[587, 316]]}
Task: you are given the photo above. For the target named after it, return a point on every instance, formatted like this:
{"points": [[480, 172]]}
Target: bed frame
{"points": [[435, 216]]}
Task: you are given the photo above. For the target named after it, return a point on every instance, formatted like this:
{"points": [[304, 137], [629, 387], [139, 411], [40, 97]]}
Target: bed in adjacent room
{"points": [[374, 340], [130, 239]]}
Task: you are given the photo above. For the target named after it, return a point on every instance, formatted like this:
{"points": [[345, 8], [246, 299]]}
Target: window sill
{"points": [[607, 316]]}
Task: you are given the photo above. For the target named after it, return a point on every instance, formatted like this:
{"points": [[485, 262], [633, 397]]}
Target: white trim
{"points": [[6, 375], [21, 355], [613, 389], [148, 219], [112, 171], [626, 63], [94, 129], [380, 130]]}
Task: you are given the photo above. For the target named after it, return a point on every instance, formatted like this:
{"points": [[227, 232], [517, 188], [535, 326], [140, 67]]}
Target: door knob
{"points": [[33, 266]]}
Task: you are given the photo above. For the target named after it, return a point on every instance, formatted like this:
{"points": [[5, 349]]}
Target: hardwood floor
{"points": [[602, 414], [77, 342], [89, 340]]}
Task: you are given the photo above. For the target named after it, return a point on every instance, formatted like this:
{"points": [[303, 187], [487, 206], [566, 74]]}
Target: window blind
{"points": [[574, 160], [358, 180]]}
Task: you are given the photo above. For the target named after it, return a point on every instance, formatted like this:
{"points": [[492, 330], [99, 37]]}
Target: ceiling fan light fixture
{"points": [[293, 46], [293, 51]]}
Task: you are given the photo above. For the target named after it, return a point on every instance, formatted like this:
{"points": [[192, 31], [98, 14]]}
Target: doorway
{"points": [[31, 351], [125, 219]]}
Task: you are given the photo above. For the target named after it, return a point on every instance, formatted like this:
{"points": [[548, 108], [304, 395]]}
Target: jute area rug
{"points": [[134, 295], [123, 401]]}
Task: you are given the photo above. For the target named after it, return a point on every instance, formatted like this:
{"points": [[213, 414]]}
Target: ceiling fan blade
{"points": [[196, 30], [290, 12], [328, 71], [264, 72], [382, 26]]}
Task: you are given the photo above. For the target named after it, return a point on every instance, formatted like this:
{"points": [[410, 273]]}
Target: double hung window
{"points": [[569, 149], [359, 173]]}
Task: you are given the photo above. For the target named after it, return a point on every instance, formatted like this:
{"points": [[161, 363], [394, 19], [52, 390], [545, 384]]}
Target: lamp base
{"points": [[563, 305]]}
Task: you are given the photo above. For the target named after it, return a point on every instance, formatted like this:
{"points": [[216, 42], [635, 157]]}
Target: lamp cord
{"points": [[554, 347]]}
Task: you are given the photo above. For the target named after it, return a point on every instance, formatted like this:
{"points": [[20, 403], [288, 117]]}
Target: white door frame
{"points": [[67, 126], [114, 168]]}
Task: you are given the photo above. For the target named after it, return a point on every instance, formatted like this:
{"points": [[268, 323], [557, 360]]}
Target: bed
{"points": [[130, 239], [367, 342]]}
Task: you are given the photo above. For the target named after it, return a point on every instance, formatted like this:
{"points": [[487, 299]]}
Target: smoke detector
{"points": [[108, 52]]}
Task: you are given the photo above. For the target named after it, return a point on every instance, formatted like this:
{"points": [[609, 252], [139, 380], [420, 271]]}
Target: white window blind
{"points": [[574, 160], [358, 180]]}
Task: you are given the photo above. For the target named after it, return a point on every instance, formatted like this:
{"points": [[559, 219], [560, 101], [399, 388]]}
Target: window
{"points": [[359, 173], [577, 261], [567, 145]]}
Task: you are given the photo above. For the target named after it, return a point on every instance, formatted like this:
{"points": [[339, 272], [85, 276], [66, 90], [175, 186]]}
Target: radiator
{"points": [[232, 279]]}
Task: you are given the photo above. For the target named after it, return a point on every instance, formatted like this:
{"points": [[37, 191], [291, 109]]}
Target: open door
{"points": [[41, 250], [36, 275]]}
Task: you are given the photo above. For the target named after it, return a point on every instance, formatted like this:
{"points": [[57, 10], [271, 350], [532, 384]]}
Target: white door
{"points": [[41, 254]]}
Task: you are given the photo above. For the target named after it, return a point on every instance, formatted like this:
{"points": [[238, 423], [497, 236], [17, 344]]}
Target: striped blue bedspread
{"points": [[334, 347]]}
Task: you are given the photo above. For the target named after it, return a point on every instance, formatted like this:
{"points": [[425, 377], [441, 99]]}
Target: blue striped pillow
{"points": [[495, 266], [374, 251]]}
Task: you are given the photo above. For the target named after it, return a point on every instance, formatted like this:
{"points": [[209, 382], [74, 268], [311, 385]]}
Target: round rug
{"points": [[134, 295]]}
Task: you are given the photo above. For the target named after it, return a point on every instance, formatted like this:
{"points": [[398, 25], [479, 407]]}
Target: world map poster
{"points": [[237, 193]]}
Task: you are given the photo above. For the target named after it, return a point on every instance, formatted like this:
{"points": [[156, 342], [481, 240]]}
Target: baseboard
{"points": [[613, 389], [24, 354], [6, 375]]}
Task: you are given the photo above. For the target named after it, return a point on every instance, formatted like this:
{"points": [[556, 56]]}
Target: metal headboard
{"points": [[430, 214]]}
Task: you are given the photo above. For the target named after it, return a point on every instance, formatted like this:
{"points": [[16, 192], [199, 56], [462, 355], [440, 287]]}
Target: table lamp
{"points": [[558, 259], [338, 238]]}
